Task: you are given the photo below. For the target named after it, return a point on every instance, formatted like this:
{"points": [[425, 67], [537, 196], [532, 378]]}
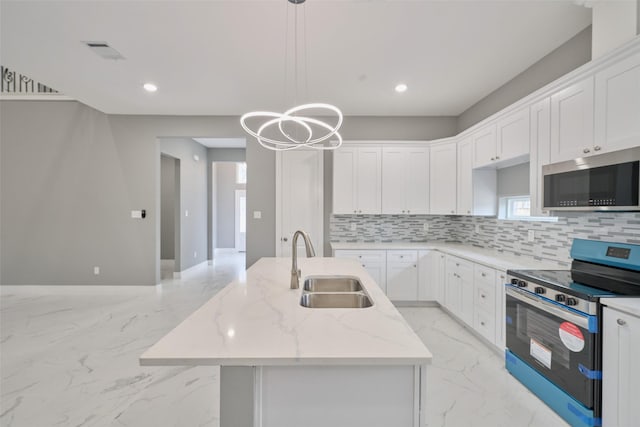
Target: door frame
{"points": [[239, 193], [319, 244]]}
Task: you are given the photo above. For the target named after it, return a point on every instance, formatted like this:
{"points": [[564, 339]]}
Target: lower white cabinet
{"points": [[402, 275], [620, 370], [484, 285], [431, 276], [374, 261], [501, 280], [459, 288]]}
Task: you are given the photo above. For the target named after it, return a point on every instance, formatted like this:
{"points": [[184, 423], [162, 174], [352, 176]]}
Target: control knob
{"points": [[522, 284], [539, 290], [572, 301], [561, 298]]}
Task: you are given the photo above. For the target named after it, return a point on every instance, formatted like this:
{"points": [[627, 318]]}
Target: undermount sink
{"points": [[335, 300], [332, 284]]}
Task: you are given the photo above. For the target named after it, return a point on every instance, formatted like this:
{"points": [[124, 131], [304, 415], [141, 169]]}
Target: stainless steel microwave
{"points": [[604, 182]]}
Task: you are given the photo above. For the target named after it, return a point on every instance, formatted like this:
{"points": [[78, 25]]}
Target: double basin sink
{"points": [[334, 292]]}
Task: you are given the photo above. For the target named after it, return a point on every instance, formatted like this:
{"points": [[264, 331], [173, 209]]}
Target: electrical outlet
{"points": [[425, 226], [96, 270], [195, 254], [257, 214], [352, 227], [531, 236], [477, 228], [186, 212]]}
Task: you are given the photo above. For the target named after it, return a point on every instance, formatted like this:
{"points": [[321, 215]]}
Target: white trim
{"points": [[178, 274], [239, 193]]}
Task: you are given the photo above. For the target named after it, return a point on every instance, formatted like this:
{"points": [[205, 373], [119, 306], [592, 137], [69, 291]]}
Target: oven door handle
{"points": [[548, 307]]}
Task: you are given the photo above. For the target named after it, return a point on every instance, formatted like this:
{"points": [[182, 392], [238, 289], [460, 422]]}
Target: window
{"points": [[241, 173], [519, 208]]}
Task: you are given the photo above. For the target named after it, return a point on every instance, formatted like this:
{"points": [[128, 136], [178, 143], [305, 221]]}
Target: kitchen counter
{"points": [[286, 365], [627, 305], [259, 321], [487, 257]]}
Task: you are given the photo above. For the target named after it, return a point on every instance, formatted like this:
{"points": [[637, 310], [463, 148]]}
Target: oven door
{"points": [[560, 343]]}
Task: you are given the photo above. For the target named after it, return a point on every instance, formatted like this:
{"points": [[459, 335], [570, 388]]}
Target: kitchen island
{"points": [[283, 364]]}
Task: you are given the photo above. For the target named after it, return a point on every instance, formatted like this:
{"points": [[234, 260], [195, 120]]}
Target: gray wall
{"points": [[226, 203], [514, 180], [567, 57], [193, 199], [167, 206]]}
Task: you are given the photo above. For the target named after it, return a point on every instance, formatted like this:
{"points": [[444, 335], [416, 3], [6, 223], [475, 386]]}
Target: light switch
{"points": [[257, 214], [531, 235], [136, 214]]}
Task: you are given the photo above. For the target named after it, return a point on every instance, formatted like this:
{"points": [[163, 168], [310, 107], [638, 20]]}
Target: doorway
{"points": [[169, 216], [241, 220], [229, 206]]}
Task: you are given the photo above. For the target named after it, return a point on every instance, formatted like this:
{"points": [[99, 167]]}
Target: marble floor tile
{"points": [[69, 357]]}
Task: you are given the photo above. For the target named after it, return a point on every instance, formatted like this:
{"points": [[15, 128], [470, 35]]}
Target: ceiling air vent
{"points": [[104, 50]]}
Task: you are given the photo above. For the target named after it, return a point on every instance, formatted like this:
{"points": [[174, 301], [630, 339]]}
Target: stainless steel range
{"points": [[554, 324]]}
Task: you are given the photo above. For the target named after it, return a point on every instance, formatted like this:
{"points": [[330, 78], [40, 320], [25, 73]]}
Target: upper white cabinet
{"points": [[443, 178], [484, 146], [572, 122], [357, 180], [477, 189], [405, 180], [617, 105], [512, 140], [539, 149]]}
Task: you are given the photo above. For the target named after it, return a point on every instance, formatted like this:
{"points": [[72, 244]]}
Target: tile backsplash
{"points": [[552, 240]]}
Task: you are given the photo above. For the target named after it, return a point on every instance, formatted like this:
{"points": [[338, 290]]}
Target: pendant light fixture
{"points": [[293, 129]]}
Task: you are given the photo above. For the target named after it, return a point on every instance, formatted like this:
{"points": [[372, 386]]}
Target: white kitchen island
{"points": [[286, 365]]}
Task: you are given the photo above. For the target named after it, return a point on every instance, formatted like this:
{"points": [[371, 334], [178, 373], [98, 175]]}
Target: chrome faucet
{"points": [[295, 272]]}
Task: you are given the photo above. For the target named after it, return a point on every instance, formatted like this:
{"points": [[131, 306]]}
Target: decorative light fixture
{"points": [[302, 124]]}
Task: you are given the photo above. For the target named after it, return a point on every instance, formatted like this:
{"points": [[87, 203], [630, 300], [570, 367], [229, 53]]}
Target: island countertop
{"points": [[258, 321]]}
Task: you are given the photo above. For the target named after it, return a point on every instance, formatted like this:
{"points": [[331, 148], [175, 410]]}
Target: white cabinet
{"points": [[430, 276], [504, 142], [477, 189], [617, 105], [540, 152], [572, 122], [357, 180], [501, 280], [405, 180], [484, 320], [620, 370], [443, 178], [374, 261], [459, 288], [402, 275], [484, 146]]}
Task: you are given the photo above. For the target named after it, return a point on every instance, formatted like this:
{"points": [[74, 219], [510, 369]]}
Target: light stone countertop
{"points": [[487, 257], [258, 320], [624, 304]]}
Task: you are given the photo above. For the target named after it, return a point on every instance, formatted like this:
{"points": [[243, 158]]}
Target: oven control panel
{"points": [[541, 291]]}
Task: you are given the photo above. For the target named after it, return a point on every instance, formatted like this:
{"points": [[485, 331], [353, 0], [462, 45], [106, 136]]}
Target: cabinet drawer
{"points": [[402, 256], [484, 323], [485, 298], [367, 256], [484, 274]]}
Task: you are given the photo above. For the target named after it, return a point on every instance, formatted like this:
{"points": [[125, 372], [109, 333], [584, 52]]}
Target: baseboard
{"points": [[415, 303], [178, 274]]}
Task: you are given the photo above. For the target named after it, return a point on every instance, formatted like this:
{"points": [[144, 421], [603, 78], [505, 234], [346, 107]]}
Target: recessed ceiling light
{"points": [[150, 87], [401, 87]]}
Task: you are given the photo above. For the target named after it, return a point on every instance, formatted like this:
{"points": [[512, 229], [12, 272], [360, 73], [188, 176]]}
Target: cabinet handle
{"points": [[481, 296], [457, 265], [403, 211], [621, 322], [414, 266], [493, 158], [468, 212], [364, 265], [401, 256], [482, 323], [359, 211], [452, 211], [597, 148], [497, 157], [284, 239], [355, 211], [586, 150], [484, 275], [502, 276], [408, 211], [359, 256]]}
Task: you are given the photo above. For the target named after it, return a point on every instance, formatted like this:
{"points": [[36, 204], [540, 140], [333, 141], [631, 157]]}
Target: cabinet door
{"points": [[452, 294], [369, 180], [465, 183], [539, 148], [617, 105], [620, 371], [484, 146], [344, 181], [501, 280], [443, 179], [438, 276], [416, 185], [393, 180], [513, 136], [572, 122], [465, 274], [402, 275], [374, 261], [430, 275]]}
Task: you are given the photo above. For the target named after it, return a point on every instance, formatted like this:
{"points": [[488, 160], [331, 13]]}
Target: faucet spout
{"points": [[295, 272]]}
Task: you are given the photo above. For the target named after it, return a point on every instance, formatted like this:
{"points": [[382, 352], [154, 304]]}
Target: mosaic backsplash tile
{"points": [[552, 239]]}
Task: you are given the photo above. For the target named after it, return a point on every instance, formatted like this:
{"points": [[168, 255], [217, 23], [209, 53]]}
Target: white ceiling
{"points": [[222, 142], [228, 57]]}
